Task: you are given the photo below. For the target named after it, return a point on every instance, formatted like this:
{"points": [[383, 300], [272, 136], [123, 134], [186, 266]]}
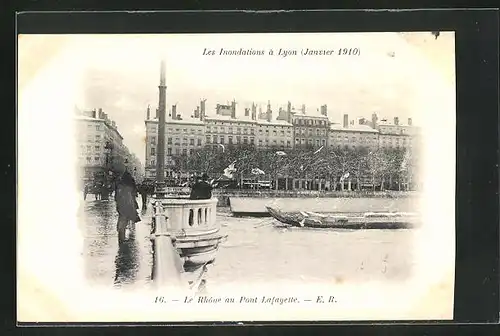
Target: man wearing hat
{"points": [[201, 189]]}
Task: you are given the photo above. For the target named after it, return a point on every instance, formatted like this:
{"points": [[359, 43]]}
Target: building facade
{"points": [[228, 126], [182, 137], [100, 146], [397, 135], [352, 137], [310, 131]]}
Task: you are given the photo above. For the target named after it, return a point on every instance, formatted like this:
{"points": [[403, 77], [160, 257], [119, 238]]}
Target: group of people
{"points": [[98, 189]]}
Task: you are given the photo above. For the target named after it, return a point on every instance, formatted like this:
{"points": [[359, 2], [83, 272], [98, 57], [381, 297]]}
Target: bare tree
{"points": [[376, 165]]}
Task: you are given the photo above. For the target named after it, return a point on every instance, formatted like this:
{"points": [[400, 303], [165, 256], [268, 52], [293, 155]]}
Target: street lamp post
{"points": [[105, 190]]}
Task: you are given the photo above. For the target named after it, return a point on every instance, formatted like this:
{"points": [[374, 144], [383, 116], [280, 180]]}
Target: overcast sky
{"points": [[121, 75]]}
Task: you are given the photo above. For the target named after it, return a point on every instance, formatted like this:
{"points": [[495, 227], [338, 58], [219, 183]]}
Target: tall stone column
{"points": [[160, 155]]}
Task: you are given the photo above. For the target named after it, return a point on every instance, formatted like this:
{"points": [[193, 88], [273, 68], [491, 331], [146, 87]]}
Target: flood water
{"points": [[255, 252]]}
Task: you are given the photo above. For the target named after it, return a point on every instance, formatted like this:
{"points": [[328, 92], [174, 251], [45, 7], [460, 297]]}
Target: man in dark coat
{"points": [[85, 191], [201, 189], [126, 203]]}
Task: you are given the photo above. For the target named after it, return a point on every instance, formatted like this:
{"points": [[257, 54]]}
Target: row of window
{"points": [[245, 131], [310, 122], [91, 138], [250, 131], [178, 130], [88, 159], [89, 148], [96, 126], [354, 137], [387, 141], [311, 132], [238, 130], [310, 141], [177, 141]]}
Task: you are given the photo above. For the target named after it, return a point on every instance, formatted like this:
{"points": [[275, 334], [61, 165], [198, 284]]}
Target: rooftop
{"points": [[221, 117], [107, 122], [300, 115], [384, 122], [353, 128], [82, 117], [274, 122], [248, 119], [188, 121]]}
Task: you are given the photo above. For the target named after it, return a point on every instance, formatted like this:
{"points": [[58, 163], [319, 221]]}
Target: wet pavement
{"points": [[106, 262]]}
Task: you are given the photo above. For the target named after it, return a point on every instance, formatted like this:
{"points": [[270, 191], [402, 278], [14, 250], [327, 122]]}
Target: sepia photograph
{"points": [[236, 177]]}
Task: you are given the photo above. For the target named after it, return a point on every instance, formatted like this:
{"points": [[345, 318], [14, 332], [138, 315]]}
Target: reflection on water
{"points": [[255, 252], [127, 261]]}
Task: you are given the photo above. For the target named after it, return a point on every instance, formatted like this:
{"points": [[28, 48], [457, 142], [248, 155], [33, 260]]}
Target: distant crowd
{"points": [[201, 188]]}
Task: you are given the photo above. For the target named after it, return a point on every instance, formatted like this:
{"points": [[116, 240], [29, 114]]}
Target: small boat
{"points": [[367, 221]]}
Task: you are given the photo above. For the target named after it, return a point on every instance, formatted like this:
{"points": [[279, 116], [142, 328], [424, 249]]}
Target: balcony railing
{"points": [[185, 217]]}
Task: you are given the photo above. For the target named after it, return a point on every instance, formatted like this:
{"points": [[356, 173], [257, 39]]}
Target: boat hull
{"points": [[310, 220]]}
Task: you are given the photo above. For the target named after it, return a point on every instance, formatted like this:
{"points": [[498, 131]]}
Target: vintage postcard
{"points": [[236, 177]]}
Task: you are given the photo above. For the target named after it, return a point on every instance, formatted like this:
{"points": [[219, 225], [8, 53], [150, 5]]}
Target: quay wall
{"points": [[224, 195]]}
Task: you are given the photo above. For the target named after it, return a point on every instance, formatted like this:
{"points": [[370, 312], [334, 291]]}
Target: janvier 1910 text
{"points": [[282, 52]]}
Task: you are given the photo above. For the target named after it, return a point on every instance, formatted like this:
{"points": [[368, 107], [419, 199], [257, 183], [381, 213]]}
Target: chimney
{"points": [[361, 121], [324, 110], [396, 121], [346, 121], [410, 122], [374, 120], [94, 114], [303, 109], [269, 112], [217, 109], [197, 112], [148, 113], [247, 111], [202, 109], [233, 109], [254, 111], [101, 114], [289, 112], [174, 111]]}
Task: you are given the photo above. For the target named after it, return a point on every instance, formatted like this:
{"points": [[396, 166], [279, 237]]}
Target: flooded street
{"points": [[255, 252]]}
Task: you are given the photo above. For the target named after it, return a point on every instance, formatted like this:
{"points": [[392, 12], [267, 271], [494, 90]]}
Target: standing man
{"points": [[201, 189], [97, 190], [126, 204], [85, 191]]}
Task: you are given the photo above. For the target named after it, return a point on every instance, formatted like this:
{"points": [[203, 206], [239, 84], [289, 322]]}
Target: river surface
{"points": [[255, 252]]}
